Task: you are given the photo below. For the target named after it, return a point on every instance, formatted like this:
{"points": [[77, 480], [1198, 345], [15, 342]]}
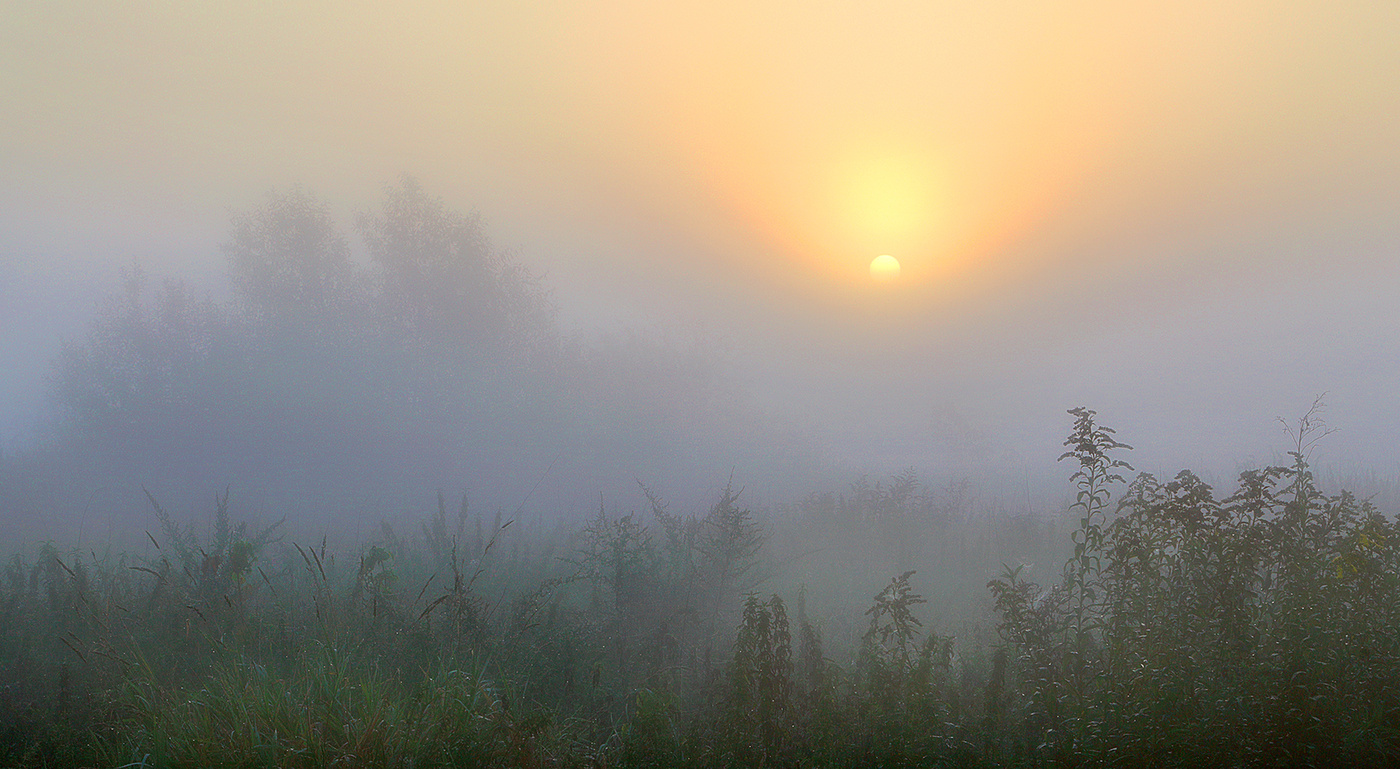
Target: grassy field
{"points": [[1175, 627]]}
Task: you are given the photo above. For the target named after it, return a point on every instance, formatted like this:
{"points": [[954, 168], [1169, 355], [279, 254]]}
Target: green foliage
{"points": [[760, 698], [336, 709], [663, 606], [892, 622], [618, 554], [1187, 628], [1249, 630]]}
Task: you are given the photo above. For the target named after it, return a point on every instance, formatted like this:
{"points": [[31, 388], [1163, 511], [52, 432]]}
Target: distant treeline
{"points": [[435, 361]]}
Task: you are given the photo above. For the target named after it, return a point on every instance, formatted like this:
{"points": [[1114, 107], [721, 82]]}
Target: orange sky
{"points": [[820, 133], [725, 158]]}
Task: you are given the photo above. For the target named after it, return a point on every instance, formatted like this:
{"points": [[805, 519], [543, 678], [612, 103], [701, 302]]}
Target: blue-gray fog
{"points": [[637, 250]]}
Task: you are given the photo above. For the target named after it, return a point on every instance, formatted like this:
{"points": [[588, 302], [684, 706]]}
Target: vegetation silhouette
{"points": [[1185, 629], [429, 359]]}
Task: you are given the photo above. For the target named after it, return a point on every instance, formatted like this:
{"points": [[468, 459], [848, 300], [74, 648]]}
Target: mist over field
{"points": [[349, 367], [1194, 245], [344, 391], [539, 355], [1196, 371]]}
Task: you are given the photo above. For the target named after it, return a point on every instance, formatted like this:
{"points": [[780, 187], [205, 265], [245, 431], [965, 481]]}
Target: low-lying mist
{"points": [[339, 385], [341, 376], [375, 504]]}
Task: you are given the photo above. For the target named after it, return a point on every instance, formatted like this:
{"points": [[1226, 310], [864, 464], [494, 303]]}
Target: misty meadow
{"points": [[597, 383], [888, 621]]}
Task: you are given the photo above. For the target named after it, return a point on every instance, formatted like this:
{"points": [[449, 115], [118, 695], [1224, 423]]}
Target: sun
{"points": [[884, 268]]}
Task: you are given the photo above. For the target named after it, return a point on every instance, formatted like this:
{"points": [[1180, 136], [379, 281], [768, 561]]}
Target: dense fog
{"points": [[638, 241], [340, 386], [344, 368], [611, 384]]}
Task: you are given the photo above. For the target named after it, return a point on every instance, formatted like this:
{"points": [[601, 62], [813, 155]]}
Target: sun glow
{"points": [[884, 268], [890, 198], [824, 191]]}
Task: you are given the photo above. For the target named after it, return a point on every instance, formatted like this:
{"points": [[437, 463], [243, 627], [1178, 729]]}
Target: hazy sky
{"points": [[1185, 214]]}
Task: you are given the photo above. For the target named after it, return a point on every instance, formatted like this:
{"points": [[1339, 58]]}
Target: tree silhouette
{"points": [[290, 267]]}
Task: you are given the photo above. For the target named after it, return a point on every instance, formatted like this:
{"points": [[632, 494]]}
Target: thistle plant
{"points": [[1091, 445]]}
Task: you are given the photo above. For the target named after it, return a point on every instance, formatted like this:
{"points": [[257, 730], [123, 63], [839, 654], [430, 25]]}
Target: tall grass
{"points": [[1185, 628]]}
